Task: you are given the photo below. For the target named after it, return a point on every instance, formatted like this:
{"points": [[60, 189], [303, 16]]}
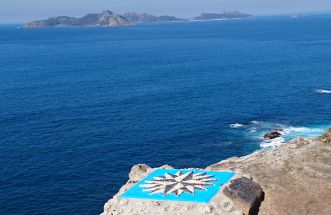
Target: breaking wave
{"points": [[323, 91], [272, 143], [257, 129], [290, 133], [236, 125]]}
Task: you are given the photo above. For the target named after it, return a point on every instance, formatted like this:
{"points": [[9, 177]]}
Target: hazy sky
{"points": [[15, 11]]}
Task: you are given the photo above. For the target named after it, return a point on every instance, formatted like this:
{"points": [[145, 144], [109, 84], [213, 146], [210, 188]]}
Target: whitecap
{"points": [[323, 91], [236, 125]]}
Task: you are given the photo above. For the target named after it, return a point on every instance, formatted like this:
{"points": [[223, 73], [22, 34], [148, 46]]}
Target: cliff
{"points": [[294, 178], [103, 19]]}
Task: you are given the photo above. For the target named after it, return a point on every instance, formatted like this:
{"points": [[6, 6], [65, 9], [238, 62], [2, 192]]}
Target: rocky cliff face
{"points": [[292, 179], [296, 177], [103, 19]]}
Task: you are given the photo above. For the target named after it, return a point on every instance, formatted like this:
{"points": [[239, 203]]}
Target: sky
{"points": [[20, 11]]}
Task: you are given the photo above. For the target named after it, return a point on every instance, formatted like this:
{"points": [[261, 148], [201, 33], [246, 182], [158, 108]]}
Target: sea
{"points": [[80, 106]]}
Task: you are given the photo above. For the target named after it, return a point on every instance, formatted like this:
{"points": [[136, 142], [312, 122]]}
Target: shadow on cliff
{"points": [[256, 208]]}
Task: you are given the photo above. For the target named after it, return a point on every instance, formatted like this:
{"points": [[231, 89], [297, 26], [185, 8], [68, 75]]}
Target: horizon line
{"points": [[319, 12]]}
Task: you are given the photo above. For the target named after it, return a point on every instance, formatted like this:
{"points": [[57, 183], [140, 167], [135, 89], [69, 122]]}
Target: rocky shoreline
{"points": [[294, 178]]}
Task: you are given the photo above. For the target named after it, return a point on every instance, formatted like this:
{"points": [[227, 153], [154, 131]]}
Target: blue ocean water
{"points": [[80, 106]]}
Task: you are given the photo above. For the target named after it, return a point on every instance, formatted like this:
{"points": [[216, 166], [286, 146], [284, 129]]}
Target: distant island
{"points": [[110, 19], [104, 19], [225, 15]]}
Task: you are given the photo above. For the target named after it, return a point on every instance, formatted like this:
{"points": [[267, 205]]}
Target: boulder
{"points": [[246, 194], [138, 172]]}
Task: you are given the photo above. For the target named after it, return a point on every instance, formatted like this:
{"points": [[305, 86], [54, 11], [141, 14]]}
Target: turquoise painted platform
{"points": [[179, 185]]}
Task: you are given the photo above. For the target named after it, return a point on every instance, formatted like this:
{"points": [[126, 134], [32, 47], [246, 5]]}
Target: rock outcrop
{"points": [[272, 135], [104, 19], [292, 179], [326, 137], [229, 201], [246, 194], [295, 177]]}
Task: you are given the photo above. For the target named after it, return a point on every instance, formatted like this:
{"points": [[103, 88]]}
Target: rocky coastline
{"points": [[294, 178]]}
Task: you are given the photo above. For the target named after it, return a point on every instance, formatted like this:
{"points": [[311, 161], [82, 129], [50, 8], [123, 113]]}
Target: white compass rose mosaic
{"points": [[179, 185]]}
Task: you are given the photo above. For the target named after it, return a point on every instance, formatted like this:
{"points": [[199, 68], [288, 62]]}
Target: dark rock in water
{"points": [[104, 19], [246, 193], [272, 135]]}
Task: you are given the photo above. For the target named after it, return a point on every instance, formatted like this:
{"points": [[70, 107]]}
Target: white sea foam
{"points": [[290, 133], [273, 143], [236, 125], [300, 130], [323, 91], [257, 129], [252, 129], [256, 122]]}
